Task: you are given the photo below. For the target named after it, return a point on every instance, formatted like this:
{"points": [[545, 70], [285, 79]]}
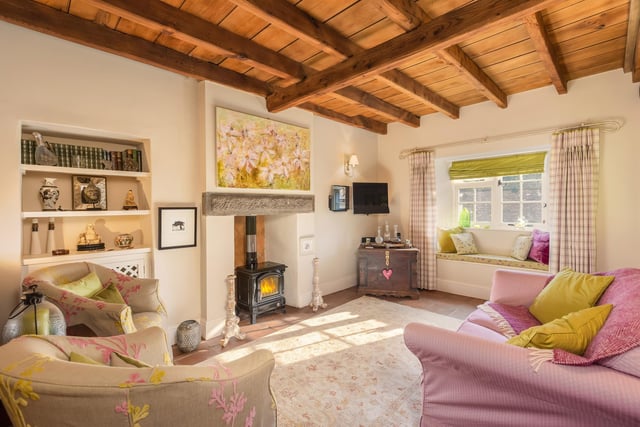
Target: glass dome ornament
{"points": [[44, 155], [34, 315]]}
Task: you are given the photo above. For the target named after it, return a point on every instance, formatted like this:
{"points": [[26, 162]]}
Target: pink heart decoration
{"points": [[387, 272]]}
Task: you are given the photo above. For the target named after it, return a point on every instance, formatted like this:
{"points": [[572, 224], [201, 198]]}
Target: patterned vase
{"points": [[49, 194], [188, 336]]}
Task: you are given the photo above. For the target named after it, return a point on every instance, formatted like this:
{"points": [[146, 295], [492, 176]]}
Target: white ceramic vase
{"points": [[49, 194]]}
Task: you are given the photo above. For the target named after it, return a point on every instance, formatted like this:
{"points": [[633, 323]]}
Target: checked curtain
{"points": [[422, 217], [574, 197]]}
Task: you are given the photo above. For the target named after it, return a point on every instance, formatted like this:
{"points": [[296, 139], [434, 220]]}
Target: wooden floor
{"points": [[435, 301]]}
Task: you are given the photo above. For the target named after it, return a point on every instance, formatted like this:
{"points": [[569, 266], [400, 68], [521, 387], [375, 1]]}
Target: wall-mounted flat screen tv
{"points": [[370, 198]]}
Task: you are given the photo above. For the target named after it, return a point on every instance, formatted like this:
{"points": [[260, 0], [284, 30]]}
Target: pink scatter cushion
{"points": [[540, 246]]}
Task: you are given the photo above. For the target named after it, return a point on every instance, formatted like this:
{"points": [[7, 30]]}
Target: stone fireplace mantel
{"points": [[243, 204]]}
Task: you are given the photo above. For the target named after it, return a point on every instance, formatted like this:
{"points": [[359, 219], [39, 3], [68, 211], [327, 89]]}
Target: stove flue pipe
{"points": [[251, 260]]}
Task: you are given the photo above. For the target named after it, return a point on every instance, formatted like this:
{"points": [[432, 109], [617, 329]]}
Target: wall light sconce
{"points": [[350, 165]]}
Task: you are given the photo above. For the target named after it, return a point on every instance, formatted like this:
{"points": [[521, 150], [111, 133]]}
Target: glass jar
{"points": [[379, 238], [34, 315]]}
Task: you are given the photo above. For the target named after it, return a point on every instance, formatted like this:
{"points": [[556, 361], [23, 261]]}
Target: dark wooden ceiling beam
{"points": [[283, 14], [632, 45], [181, 25], [45, 19], [442, 32], [51, 21], [417, 90], [409, 16], [295, 21], [540, 39], [384, 108], [356, 121]]}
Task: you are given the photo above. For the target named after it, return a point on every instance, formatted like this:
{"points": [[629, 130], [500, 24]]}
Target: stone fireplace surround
{"points": [[287, 218], [243, 204]]}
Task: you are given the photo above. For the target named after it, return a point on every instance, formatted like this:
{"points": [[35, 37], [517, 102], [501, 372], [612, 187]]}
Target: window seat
{"points": [[472, 275], [501, 260]]}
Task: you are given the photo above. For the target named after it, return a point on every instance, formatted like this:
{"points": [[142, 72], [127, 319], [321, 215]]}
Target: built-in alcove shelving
{"points": [[87, 149]]}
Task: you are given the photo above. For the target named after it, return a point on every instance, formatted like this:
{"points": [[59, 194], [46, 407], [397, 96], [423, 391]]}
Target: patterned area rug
{"points": [[347, 366]]}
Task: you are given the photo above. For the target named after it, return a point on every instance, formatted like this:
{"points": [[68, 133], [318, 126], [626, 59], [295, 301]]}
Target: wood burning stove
{"points": [[261, 289], [259, 285]]}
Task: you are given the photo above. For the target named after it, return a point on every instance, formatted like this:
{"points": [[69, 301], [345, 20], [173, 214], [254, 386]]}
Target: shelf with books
{"points": [[83, 158]]}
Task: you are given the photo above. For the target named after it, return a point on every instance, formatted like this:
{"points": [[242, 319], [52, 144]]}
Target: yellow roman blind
{"points": [[516, 164]]}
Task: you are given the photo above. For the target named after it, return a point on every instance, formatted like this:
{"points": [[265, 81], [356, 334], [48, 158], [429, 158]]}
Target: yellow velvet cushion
{"points": [[81, 358], [567, 292], [109, 294], [125, 361], [85, 287], [571, 333], [444, 239]]}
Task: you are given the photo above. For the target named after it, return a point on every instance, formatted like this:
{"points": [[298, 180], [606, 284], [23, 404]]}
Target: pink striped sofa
{"points": [[473, 378]]}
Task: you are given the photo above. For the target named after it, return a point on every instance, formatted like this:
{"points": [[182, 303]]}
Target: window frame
{"points": [[496, 201]]}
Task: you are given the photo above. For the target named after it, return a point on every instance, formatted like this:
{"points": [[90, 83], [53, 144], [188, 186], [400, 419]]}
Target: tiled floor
{"points": [[438, 302]]}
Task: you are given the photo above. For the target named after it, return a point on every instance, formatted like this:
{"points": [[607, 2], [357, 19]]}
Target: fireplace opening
{"points": [[259, 285]]}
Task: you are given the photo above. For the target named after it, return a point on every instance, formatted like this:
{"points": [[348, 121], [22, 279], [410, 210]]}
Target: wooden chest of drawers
{"points": [[388, 272]]}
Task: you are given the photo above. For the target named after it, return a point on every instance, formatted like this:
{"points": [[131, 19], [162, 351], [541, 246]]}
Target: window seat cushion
{"points": [[502, 260]]}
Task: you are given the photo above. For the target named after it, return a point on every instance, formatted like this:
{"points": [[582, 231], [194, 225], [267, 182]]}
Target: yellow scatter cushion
{"points": [[85, 287], [81, 358], [125, 361], [571, 333], [444, 239], [109, 294], [567, 292]]}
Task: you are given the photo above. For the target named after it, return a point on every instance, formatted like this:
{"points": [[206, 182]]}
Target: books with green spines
{"points": [[24, 151], [139, 154], [84, 155], [64, 150], [32, 152]]}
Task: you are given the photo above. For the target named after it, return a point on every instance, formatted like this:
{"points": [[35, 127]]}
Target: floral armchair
{"points": [[129, 380], [138, 306]]}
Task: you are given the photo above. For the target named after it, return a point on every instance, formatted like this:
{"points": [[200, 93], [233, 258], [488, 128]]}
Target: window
{"points": [[503, 201]]}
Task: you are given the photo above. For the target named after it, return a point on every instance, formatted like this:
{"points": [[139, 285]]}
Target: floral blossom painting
{"points": [[254, 152]]}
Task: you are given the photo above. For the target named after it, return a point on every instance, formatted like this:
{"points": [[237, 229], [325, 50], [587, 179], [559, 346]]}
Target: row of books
{"points": [[78, 156]]}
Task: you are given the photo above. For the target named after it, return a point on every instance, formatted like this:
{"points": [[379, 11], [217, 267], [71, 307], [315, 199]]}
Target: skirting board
{"points": [[461, 288]]}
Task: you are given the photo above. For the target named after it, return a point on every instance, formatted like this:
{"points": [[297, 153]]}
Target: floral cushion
{"points": [[464, 243], [521, 247]]}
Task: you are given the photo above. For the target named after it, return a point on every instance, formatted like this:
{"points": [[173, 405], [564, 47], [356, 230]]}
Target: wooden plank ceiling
{"points": [[366, 63]]}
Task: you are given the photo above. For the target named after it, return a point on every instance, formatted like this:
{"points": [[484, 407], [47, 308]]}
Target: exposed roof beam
{"points": [[295, 21], [285, 15], [636, 68], [417, 90], [54, 22], [405, 13], [45, 19], [384, 108], [356, 121], [409, 16], [442, 32], [184, 26], [544, 47], [631, 54], [181, 25]]}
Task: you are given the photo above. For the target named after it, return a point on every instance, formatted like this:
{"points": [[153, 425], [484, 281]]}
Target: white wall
{"points": [[607, 95], [45, 79]]}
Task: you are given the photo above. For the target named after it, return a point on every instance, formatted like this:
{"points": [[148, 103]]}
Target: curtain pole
{"points": [[612, 125]]}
